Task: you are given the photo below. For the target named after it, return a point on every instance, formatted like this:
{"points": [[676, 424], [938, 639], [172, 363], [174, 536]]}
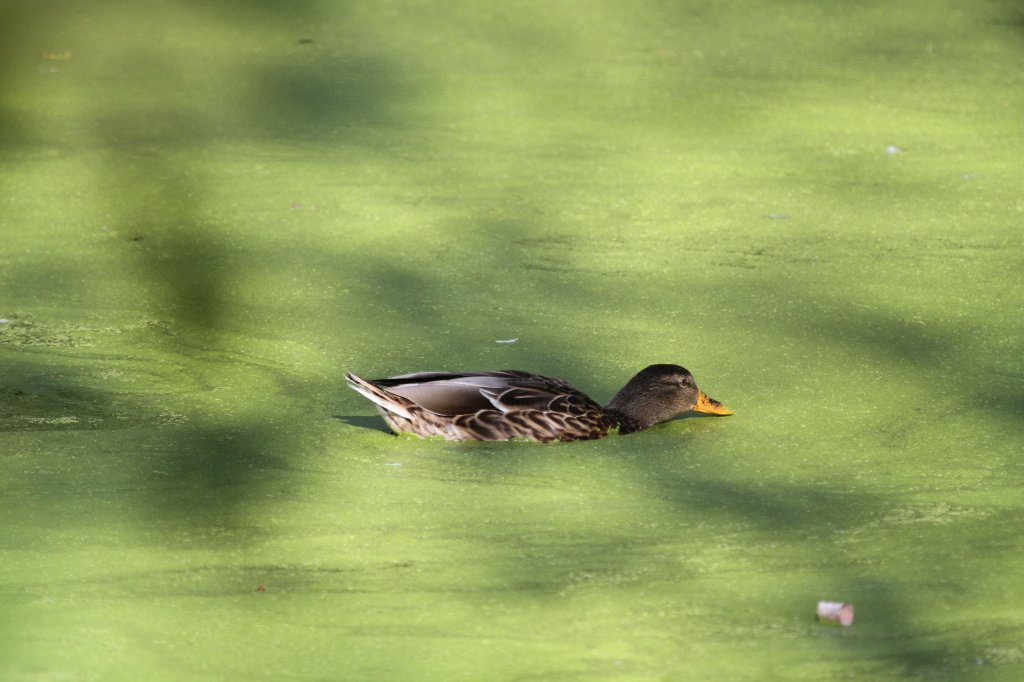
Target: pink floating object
{"points": [[835, 612]]}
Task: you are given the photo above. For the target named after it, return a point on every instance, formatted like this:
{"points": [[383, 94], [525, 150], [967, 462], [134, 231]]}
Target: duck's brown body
{"points": [[511, 404]]}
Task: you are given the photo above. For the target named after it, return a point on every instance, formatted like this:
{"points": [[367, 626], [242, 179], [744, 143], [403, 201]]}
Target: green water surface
{"points": [[210, 211]]}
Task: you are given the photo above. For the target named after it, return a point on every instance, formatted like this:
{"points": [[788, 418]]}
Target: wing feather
{"points": [[485, 405]]}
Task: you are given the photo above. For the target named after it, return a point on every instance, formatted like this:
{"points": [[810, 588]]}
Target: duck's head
{"points": [[657, 393]]}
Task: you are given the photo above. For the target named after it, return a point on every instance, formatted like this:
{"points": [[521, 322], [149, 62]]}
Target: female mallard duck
{"points": [[512, 404]]}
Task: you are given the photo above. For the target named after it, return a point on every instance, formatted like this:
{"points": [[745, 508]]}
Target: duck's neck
{"points": [[627, 423]]}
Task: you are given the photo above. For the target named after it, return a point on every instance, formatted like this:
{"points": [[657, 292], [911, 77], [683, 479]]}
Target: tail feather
{"points": [[378, 396]]}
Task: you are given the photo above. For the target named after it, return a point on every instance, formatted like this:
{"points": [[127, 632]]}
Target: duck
{"points": [[514, 405]]}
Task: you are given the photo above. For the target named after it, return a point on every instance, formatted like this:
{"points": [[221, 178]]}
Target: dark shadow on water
{"points": [[943, 351], [160, 203], [326, 99], [369, 423], [205, 478], [16, 57], [36, 396], [687, 416], [206, 482]]}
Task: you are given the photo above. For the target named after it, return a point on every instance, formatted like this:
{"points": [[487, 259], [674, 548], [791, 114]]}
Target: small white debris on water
{"points": [[506, 340], [835, 612], [893, 149]]}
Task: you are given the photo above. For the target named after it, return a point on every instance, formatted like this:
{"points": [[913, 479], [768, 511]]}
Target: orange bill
{"points": [[706, 403]]}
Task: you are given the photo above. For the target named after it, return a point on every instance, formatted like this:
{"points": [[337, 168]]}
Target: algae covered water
{"points": [[210, 213]]}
